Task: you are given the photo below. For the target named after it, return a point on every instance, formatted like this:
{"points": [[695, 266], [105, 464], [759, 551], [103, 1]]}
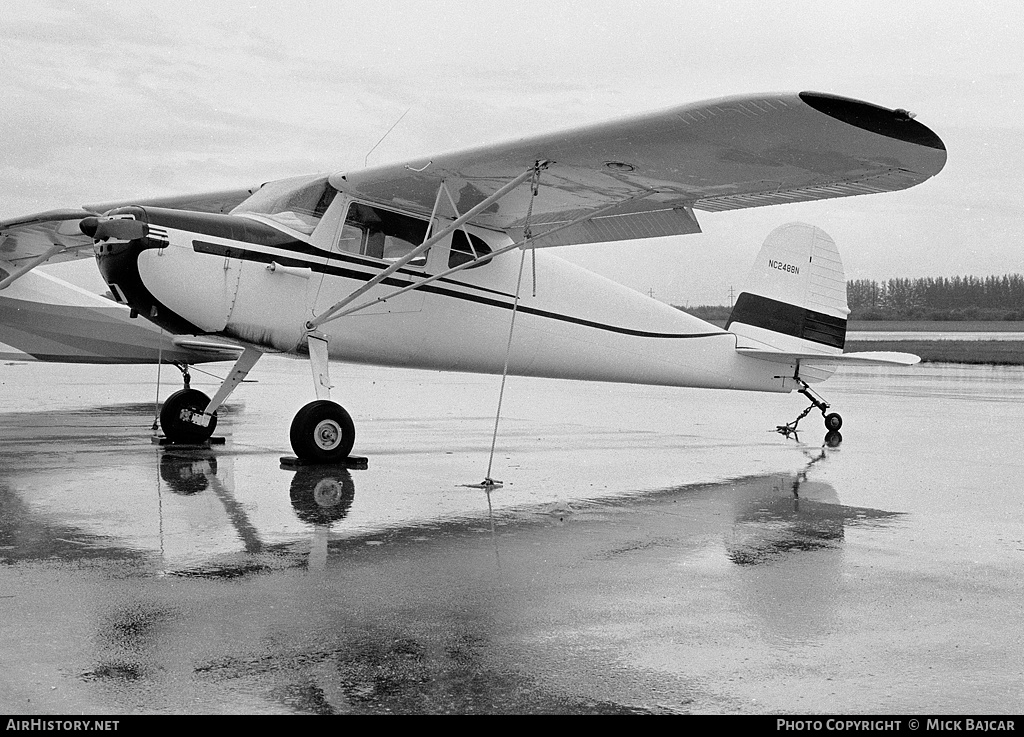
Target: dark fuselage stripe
{"points": [[331, 270], [248, 231]]}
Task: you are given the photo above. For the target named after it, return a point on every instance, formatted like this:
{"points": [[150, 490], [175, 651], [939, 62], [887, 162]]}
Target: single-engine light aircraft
{"points": [[438, 262]]}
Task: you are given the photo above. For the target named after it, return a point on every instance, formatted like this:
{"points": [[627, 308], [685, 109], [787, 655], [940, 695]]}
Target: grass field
{"points": [[1006, 352]]}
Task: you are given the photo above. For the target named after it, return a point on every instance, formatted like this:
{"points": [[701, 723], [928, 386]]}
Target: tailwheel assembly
{"points": [[833, 420], [322, 432]]}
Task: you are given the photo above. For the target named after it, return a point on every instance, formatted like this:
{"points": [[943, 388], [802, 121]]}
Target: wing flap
{"points": [[617, 226]]}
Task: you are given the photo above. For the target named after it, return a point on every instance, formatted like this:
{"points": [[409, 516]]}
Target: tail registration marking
{"points": [[783, 266]]}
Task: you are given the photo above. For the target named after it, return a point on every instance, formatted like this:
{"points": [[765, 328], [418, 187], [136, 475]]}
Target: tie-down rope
{"points": [[488, 482]]}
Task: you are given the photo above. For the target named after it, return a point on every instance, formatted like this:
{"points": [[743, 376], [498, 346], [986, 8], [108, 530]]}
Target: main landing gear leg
{"points": [[833, 421], [186, 377], [322, 431], [189, 416]]}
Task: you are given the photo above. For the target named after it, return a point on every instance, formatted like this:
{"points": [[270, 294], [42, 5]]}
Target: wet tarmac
{"points": [[651, 551]]}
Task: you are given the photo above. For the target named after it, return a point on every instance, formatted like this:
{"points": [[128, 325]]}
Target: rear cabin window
{"points": [[466, 248], [372, 231]]}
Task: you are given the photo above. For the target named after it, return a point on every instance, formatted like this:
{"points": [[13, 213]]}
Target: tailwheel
{"points": [[833, 422], [177, 413], [322, 432]]}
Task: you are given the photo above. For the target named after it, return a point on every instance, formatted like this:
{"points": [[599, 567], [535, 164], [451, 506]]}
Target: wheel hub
{"points": [[327, 434]]}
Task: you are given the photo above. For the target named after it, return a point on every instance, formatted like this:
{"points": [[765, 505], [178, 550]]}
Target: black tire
{"points": [[834, 439], [179, 430], [323, 432], [833, 422]]}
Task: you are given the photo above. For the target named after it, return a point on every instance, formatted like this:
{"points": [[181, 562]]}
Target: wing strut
{"points": [[31, 264], [331, 312]]}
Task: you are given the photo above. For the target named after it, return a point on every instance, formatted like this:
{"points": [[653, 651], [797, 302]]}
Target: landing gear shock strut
{"points": [[833, 421]]}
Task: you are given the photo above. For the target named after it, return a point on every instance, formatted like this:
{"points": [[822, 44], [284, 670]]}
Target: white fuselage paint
{"points": [[578, 325]]}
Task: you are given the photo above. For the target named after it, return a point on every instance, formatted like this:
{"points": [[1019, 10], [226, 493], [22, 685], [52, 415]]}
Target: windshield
{"points": [[297, 203]]}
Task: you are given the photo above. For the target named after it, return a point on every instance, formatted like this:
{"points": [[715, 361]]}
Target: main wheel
{"points": [[322, 432], [833, 422], [176, 411]]}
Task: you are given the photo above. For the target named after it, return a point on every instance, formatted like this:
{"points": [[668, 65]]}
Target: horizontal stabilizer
{"points": [[890, 358]]}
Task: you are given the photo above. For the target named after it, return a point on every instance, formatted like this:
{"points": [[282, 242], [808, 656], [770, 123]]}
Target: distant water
{"points": [[862, 335]]}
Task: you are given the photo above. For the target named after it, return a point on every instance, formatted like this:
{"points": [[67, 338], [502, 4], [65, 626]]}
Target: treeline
{"points": [[938, 298], [709, 313], [926, 298]]}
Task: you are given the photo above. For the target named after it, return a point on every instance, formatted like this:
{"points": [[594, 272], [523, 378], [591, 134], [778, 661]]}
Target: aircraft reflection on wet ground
{"points": [[774, 513], [625, 566], [457, 574]]}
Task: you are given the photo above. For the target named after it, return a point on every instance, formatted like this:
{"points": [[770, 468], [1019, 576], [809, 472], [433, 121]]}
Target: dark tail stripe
{"points": [[780, 317]]}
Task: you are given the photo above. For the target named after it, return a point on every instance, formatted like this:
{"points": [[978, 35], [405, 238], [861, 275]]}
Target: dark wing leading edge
{"points": [[726, 154]]}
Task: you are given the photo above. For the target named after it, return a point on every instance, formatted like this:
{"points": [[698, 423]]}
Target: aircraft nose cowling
{"points": [[118, 262], [120, 229]]}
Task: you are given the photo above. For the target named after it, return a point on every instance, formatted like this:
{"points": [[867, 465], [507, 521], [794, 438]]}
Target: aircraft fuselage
{"points": [[247, 279]]}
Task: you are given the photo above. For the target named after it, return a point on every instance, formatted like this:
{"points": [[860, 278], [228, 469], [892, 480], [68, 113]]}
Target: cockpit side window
{"points": [[373, 231], [467, 247], [298, 203]]}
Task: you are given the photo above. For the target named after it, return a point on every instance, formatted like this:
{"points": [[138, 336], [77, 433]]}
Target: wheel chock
{"points": [[164, 441], [355, 462]]}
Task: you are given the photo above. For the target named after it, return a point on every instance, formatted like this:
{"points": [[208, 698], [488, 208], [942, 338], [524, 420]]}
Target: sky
{"points": [[111, 100]]}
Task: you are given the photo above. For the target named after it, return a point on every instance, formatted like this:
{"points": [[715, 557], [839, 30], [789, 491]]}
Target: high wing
{"points": [[53, 236], [646, 175]]}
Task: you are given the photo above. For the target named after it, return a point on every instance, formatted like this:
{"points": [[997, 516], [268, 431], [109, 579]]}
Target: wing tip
{"points": [[897, 124]]}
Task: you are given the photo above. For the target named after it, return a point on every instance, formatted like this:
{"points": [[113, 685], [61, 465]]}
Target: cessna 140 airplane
{"points": [[414, 264]]}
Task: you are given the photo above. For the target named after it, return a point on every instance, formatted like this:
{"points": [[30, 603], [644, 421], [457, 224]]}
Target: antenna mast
{"points": [[367, 157]]}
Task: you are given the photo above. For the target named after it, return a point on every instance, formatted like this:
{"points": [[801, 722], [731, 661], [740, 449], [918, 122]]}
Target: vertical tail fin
{"points": [[795, 296]]}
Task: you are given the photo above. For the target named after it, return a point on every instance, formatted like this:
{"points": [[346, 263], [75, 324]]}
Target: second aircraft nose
{"points": [[116, 228]]}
